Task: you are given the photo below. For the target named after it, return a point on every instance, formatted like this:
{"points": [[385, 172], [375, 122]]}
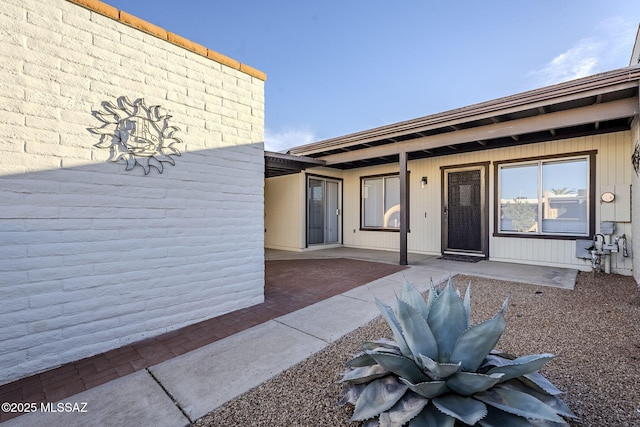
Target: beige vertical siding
{"points": [[634, 246], [613, 168]]}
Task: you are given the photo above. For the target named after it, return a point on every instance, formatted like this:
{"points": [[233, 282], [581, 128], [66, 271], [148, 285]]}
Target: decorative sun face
{"points": [[137, 134]]}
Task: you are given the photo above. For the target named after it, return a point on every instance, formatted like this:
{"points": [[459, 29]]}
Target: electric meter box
{"points": [[607, 228]]}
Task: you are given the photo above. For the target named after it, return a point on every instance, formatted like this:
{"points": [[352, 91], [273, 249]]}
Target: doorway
{"points": [[464, 210], [324, 211]]}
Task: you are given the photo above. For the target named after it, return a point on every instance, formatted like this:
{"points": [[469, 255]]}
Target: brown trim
{"points": [[546, 157], [591, 197], [595, 85], [465, 165], [278, 164], [392, 230], [306, 205], [485, 196], [142, 25], [404, 206]]}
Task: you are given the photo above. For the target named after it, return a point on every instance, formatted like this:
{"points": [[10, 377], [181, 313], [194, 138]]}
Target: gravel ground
{"points": [[593, 331]]}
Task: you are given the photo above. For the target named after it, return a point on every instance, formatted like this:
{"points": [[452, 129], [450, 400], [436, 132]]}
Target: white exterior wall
{"points": [[613, 169], [93, 257], [284, 216], [285, 213], [634, 247]]}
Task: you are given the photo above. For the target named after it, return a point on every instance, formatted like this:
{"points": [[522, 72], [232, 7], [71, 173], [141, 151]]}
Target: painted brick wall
{"points": [[93, 256]]}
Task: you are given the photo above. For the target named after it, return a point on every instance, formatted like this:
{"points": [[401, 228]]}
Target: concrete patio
{"points": [[181, 389]]}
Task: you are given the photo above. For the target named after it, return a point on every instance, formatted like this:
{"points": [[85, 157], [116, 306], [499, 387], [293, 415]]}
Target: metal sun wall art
{"points": [[137, 134]]}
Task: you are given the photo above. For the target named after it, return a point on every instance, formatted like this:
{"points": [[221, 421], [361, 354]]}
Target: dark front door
{"points": [[464, 222]]}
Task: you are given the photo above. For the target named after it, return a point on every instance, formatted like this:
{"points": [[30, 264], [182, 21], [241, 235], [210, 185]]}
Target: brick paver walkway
{"points": [[289, 286]]}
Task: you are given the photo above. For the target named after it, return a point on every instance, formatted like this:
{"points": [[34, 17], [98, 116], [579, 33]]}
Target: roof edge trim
{"points": [[123, 17], [622, 76]]}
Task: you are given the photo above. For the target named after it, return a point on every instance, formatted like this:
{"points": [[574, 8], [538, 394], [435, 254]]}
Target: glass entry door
{"points": [[323, 211], [464, 216]]}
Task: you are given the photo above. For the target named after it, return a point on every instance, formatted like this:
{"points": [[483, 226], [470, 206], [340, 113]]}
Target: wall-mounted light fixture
{"points": [[423, 181]]}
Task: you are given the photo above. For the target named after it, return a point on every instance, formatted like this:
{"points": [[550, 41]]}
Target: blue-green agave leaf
{"points": [[381, 343], [351, 394], [468, 383], [539, 382], [494, 359], [364, 374], [416, 332], [433, 294], [552, 401], [439, 370], [362, 359], [467, 304], [414, 298], [401, 366], [521, 366], [518, 403], [465, 409], [428, 389], [477, 342], [404, 410], [377, 397], [447, 320], [498, 418], [392, 320], [430, 417]]}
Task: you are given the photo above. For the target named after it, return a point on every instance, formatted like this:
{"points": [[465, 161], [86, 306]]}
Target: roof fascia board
{"points": [[597, 112], [456, 121], [292, 158], [562, 92], [635, 52]]}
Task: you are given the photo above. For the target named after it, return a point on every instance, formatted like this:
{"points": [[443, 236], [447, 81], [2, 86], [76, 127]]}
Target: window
{"points": [[545, 197], [381, 202]]}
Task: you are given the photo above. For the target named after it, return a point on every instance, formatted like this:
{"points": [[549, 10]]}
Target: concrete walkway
{"points": [[187, 387]]}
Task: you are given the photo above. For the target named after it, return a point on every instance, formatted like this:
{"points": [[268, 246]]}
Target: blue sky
{"points": [[336, 67]]}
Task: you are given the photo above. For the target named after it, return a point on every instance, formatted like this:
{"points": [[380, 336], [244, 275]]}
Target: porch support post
{"points": [[404, 208]]}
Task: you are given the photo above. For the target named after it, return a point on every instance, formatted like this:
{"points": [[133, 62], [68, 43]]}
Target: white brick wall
{"points": [[92, 256]]}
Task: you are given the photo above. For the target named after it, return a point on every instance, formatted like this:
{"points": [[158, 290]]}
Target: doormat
{"points": [[462, 258]]}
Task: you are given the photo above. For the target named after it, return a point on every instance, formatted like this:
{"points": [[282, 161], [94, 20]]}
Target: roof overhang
{"points": [[602, 103], [277, 164]]}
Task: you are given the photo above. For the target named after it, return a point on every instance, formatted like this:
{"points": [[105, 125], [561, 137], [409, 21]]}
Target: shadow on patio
{"points": [[289, 285]]}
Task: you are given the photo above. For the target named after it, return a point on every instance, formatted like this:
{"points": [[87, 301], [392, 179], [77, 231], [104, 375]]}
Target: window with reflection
{"points": [[545, 197], [381, 202]]}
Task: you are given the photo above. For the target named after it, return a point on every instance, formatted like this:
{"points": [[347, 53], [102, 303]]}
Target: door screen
{"points": [[463, 211]]}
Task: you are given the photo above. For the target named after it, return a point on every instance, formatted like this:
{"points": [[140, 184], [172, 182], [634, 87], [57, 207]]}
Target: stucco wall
{"points": [[285, 210], [284, 215], [94, 256]]}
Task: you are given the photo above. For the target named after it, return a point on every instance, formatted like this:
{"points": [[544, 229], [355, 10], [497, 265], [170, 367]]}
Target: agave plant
{"points": [[440, 371]]}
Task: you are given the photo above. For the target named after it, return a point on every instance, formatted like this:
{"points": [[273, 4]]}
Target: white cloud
{"points": [[581, 60], [283, 139], [608, 49]]}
